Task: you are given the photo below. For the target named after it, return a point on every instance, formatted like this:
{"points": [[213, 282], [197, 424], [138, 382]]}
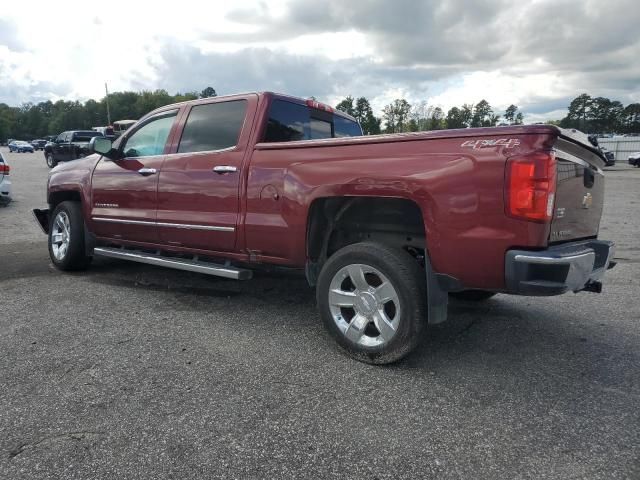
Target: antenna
{"points": [[108, 112]]}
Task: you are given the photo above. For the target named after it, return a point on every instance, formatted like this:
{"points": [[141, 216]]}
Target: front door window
{"points": [[150, 139]]}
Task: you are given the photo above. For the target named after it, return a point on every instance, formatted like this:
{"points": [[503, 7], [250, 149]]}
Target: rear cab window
{"points": [[290, 122]]}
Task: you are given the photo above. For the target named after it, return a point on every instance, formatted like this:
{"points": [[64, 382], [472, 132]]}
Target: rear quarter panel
{"points": [[459, 191]]}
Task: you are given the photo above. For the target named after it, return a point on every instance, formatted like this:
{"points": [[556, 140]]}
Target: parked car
{"points": [[634, 159], [121, 126], [609, 156], [38, 144], [20, 147], [5, 180], [68, 146], [384, 226], [105, 132]]}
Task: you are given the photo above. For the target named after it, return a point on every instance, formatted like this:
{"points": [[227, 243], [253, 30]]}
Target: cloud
{"points": [[9, 36], [538, 54]]}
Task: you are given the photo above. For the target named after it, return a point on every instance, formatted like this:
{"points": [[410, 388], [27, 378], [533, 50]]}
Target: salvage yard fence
{"points": [[621, 147]]}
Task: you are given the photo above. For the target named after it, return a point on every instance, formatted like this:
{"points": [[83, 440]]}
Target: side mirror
{"points": [[103, 146]]}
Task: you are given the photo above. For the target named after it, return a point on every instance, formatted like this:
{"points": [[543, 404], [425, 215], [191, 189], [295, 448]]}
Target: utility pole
{"points": [[108, 112]]}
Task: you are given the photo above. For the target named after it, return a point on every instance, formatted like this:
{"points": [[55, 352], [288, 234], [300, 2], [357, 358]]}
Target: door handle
{"points": [[147, 171], [225, 169]]}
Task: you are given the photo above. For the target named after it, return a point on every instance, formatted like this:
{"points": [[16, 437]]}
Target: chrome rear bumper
{"points": [[572, 267]]}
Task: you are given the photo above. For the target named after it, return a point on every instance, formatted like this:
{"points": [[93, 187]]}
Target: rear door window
{"points": [[213, 126]]}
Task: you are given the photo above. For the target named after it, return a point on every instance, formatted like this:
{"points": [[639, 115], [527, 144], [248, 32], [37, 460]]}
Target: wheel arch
{"points": [[57, 197], [337, 221]]}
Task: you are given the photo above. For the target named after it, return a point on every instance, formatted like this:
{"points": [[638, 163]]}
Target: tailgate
{"points": [[580, 189]]}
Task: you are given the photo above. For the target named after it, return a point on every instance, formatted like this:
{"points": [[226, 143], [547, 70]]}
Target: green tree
{"points": [[510, 114], [396, 115], [208, 92], [482, 114], [346, 106], [455, 118], [579, 111], [364, 114], [436, 120], [467, 114], [630, 118]]}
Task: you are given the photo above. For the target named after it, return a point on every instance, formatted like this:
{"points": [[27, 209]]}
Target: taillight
{"points": [[4, 168], [531, 186]]}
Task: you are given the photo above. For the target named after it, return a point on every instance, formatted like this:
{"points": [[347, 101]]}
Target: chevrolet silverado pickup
{"points": [[68, 146], [386, 227]]}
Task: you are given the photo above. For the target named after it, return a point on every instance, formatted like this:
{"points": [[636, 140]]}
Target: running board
{"points": [[198, 266]]}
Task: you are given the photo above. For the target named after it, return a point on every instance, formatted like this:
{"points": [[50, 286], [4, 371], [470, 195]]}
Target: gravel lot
{"points": [[132, 371]]}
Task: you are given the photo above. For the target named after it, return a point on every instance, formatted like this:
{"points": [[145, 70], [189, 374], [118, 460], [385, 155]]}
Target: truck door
{"points": [[60, 152], [199, 188], [124, 192]]}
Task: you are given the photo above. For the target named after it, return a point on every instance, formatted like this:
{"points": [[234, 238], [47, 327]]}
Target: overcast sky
{"points": [[538, 54]]}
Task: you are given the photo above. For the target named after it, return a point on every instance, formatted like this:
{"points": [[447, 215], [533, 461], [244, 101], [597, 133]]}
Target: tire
{"points": [[51, 162], [66, 237], [354, 318], [472, 295]]}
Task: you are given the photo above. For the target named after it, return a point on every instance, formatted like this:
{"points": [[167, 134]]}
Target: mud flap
{"points": [[437, 298], [42, 217]]}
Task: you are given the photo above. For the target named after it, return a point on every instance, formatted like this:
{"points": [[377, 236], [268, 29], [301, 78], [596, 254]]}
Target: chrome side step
{"points": [[198, 266]]}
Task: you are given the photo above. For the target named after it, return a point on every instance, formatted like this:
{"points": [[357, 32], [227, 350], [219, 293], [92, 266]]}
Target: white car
{"points": [[5, 181], [634, 159]]}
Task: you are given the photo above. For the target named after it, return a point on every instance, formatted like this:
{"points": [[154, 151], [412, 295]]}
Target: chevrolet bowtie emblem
{"points": [[587, 200]]}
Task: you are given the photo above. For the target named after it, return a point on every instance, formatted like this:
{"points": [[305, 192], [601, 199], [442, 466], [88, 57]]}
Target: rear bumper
{"points": [[570, 267], [5, 186]]}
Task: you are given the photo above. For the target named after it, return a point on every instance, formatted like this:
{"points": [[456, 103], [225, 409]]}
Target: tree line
{"points": [[401, 116], [590, 115], [602, 115], [37, 120]]}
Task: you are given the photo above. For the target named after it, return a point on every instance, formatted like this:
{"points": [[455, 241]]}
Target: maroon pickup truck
{"points": [[386, 227]]}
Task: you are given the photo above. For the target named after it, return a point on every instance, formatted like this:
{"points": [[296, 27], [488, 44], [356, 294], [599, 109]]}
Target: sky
{"points": [[537, 54]]}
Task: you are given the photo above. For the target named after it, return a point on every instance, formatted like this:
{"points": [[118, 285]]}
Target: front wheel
{"points": [[51, 162], [372, 299], [66, 237]]}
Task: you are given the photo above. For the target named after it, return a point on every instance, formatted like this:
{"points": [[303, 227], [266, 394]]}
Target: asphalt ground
{"points": [[133, 371]]}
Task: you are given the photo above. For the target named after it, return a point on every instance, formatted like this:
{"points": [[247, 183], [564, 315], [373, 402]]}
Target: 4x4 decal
{"points": [[486, 143]]}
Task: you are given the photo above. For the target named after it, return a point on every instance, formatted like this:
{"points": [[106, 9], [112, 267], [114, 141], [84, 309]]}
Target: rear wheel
{"points": [[51, 162], [66, 237], [372, 299], [472, 295]]}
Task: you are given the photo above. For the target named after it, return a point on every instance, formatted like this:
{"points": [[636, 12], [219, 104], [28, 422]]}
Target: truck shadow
{"points": [[501, 330]]}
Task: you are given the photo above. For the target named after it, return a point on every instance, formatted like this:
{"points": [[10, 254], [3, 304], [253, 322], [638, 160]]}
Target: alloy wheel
{"points": [[364, 305]]}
